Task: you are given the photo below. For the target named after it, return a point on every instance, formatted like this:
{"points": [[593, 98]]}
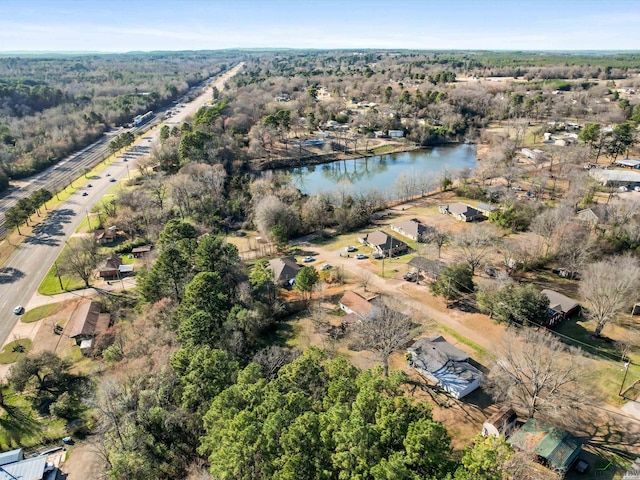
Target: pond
{"points": [[382, 172]]}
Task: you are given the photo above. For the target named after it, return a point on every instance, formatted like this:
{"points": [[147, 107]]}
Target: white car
{"points": [[308, 259], [326, 266], [361, 256], [351, 249], [637, 188], [18, 310]]}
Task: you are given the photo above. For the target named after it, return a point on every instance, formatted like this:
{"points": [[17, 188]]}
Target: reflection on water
{"points": [[381, 172]]}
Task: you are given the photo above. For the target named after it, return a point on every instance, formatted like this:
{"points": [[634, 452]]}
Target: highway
{"points": [[23, 272], [58, 176]]}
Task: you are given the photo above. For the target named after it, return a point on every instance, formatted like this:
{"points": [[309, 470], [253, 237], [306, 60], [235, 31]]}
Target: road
{"points": [[24, 270], [58, 176]]}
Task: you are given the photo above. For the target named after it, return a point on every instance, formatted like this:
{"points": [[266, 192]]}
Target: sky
{"points": [[145, 25]]}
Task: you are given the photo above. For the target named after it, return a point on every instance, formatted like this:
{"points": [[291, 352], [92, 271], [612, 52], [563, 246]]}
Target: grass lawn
{"points": [[41, 312], [51, 285], [21, 426], [8, 355]]}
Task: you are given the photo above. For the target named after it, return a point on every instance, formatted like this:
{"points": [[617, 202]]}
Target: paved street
{"points": [[21, 275]]}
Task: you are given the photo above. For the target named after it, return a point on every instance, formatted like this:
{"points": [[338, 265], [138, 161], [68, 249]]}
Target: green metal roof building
{"points": [[557, 449]]}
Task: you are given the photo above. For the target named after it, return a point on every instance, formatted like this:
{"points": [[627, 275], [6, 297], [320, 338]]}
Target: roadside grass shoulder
{"points": [[41, 312], [51, 285], [12, 351]]}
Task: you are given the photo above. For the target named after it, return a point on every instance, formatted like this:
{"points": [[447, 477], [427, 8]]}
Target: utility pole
{"points": [[88, 219], [58, 275], [626, 370]]}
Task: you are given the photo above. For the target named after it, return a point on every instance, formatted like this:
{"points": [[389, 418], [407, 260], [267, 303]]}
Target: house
{"points": [[428, 269], [588, 216], [445, 365], [13, 465], [141, 251], [634, 471], [356, 306], [461, 212], [284, 270], [501, 423], [534, 154], [412, 229], [554, 448], [87, 322], [396, 133], [110, 267], [109, 235], [486, 209], [560, 307], [383, 243]]}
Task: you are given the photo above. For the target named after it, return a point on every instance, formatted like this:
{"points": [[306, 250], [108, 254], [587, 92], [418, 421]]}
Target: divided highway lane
{"points": [[21, 275]]}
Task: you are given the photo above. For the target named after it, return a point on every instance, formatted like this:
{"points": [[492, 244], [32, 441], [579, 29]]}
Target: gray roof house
{"points": [[462, 212], [445, 365], [560, 306], [412, 229], [383, 243], [284, 270], [429, 269]]}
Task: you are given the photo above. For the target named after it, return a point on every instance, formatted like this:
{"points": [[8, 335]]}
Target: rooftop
{"points": [[558, 447], [356, 303], [615, 175], [559, 302]]}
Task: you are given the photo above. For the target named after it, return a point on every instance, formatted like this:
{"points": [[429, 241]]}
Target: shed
{"points": [[445, 365], [501, 423], [124, 269], [555, 448], [396, 133], [628, 163], [141, 251]]}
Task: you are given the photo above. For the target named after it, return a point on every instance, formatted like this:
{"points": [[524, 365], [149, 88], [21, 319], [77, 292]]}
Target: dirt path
{"points": [[84, 462]]}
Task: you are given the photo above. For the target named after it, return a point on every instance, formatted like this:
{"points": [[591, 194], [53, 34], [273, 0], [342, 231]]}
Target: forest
{"points": [[194, 380], [53, 106]]}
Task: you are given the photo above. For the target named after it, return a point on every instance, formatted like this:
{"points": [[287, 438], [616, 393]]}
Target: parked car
{"points": [[361, 256], [490, 272], [112, 180], [326, 266], [637, 188], [84, 194], [18, 310], [377, 256], [108, 175], [308, 259], [351, 249], [518, 188], [411, 276]]}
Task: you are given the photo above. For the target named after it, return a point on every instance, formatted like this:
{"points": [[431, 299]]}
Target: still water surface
{"points": [[380, 172]]}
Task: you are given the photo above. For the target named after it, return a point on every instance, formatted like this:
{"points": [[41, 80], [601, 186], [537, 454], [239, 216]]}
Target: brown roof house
{"points": [[109, 235], [412, 229], [86, 323], [384, 243], [141, 251], [284, 270], [356, 306], [461, 212], [110, 267]]}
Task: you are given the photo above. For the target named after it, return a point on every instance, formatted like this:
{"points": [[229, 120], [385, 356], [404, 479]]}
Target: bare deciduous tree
{"points": [[537, 372], [608, 287], [272, 212], [80, 259], [475, 244], [437, 238], [385, 330]]}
